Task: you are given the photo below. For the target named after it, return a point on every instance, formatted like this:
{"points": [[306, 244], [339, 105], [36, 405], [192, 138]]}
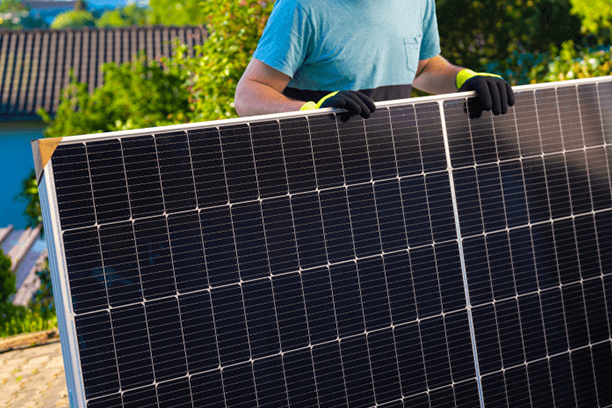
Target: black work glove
{"points": [[355, 102], [493, 91]]}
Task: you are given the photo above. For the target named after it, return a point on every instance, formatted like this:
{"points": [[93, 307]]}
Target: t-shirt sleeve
{"points": [[430, 46], [284, 43]]}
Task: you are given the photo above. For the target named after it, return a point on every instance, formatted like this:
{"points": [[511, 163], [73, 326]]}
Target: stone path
{"points": [[33, 378]]}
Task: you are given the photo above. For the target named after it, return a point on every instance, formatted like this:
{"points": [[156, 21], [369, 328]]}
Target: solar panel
{"points": [[425, 257]]}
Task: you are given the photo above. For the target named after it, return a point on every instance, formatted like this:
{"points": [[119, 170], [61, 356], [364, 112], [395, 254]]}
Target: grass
{"points": [[21, 319]]}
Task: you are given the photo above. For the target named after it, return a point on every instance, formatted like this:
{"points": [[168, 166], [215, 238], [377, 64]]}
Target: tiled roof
{"points": [[35, 65]]}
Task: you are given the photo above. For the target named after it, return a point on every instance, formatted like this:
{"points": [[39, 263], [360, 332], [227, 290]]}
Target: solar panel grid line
{"points": [[567, 229]]}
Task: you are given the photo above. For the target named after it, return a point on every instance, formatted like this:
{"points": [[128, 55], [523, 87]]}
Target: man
{"points": [[349, 53]]}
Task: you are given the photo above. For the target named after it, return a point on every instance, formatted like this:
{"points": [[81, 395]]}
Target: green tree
{"points": [[595, 15], [73, 19], [7, 278], [130, 15], [14, 15], [178, 13]]}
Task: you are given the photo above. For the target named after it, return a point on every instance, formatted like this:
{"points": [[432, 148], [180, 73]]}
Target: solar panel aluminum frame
{"points": [[53, 230]]}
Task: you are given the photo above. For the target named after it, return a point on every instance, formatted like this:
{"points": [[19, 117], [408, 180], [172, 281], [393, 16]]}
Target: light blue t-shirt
{"points": [[330, 45]]}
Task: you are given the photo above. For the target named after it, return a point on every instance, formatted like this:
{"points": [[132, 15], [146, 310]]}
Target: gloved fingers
{"points": [[352, 106], [510, 93], [483, 91], [359, 100], [503, 94], [369, 103], [497, 103]]}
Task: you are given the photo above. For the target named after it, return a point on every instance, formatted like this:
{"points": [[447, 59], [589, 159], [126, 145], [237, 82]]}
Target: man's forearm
{"points": [[437, 77], [255, 98]]}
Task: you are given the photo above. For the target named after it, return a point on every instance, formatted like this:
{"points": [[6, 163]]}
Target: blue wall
{"points": [[16, 163]]}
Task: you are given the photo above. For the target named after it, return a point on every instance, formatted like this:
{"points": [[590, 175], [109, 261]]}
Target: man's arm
{"points": [[436, 76], [259, 91]]}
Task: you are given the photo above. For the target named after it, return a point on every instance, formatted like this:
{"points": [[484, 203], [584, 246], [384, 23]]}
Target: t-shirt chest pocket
{"points": [[412, 46]]}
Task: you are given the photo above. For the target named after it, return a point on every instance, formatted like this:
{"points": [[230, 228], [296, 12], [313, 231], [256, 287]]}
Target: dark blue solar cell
{"points": [[602, 359], [506, 135], [448, 264], [440, 207], [406, 140], [509, 327], [239, 386], [111, 401], [487, 340], [514, 191], [390, 215], [459, 346], [410, 358], [417, 401], [587, 247], [354, 147], [308, 224], [575, 317], [219, 246], [176, 172], [280, 235], [175, 393], [540, 386], [364, 220], [442, 398], [603, 226], [154, 257], [326, 150], [145, 397], [84, 267], [467, 394], [604, 90], [567, 254], [298, 155], [523, 265], [121, 272], [426, 282], [477, 270], [562, 381], [554, 321], [385, 374], [264, 338], [595, 299], [527, 123], [599, 178], [187, 251], [530, 310], [491, 198], [208, 171], [270, 382], [416, 211], [199, 332], [468, 197], [166, 337], [347, 299], [571, 129], [584, 377], [380, 145], [558, 186], [319, 304], [239, 162], [374, 295], [590, 115], [400, 287], [337, 226], [435, 353], [458, 130], [132, 346], [431, 139], [269, 159], [96, 352], [500, 262], [537, 193], [143, 178], [230, 323], [290, 311], [517, 387], [494, 390], [329, 373], [578, 176], [248, 228], [483, 138], [73, 186], [357, 372], [548, 117], [108, 180], [545, 255], [207, 390], [299, 376]]}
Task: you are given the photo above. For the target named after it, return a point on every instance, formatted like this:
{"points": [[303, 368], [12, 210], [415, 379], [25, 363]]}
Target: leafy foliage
{"points": [[14, 15], [73, 19], [29, 195], [7, 278], [129, 15], [572, 63], [173, 12], [596, 15]]}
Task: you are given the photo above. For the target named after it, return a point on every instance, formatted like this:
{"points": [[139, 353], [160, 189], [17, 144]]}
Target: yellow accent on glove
{"points": [[466, 74], [311, 105]]}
